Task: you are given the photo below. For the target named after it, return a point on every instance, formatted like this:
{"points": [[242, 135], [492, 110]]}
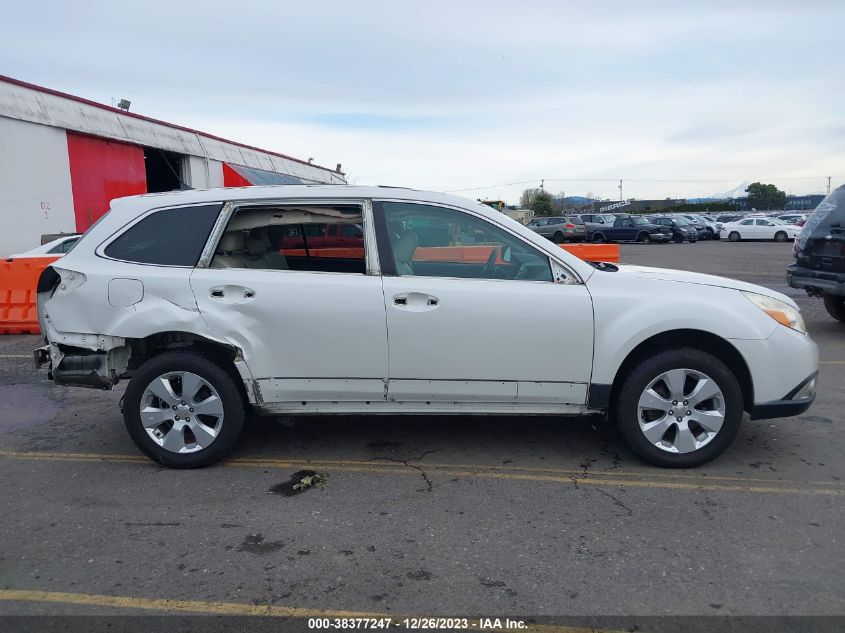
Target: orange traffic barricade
{"points": [[18, 281], [594, 252]]}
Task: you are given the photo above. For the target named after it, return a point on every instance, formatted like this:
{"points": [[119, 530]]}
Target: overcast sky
{"points": [[461, 95]]}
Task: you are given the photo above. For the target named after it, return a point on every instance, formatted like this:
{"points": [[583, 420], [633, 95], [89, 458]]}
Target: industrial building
{"points": [[64, 158]]}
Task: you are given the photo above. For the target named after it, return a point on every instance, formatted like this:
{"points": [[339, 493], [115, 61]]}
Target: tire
{"points": [[598, 238], [557, 238], [734, 236], [644, 237], [835, 307], [678, 445], [678, 239], [221, 427], [780, 236]]}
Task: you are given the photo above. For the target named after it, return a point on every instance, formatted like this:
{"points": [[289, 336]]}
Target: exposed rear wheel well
{"points": [[155, 344], [696, 339]]}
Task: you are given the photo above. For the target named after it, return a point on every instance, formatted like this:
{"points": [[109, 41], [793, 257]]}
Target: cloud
{"points": [[451, 95]]}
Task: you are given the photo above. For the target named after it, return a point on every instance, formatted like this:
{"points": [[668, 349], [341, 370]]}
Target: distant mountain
{"points": [[736, 192]]}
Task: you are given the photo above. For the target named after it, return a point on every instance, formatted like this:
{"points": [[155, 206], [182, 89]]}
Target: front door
{"points": [[473, 314], [309, 320]]}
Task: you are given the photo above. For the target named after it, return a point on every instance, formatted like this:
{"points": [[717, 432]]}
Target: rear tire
{"points": [[835, 307], [734, 236], [219, 429], [678, 239], [598, 238], [557, 238], [780, 236], [672, 448]]}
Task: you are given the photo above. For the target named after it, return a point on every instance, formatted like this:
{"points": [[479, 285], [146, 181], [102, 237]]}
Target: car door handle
{"points": [[232, 294], [415, 302]]}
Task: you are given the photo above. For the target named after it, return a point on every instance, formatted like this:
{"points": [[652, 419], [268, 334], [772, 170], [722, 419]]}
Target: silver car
{"points": [[560, 228]]}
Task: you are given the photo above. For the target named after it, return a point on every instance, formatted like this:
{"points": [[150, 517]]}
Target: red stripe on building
{"points": [[231, 178], [100, 171]]}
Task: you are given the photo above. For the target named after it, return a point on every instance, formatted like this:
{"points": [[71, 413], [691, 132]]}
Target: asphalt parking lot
{"points": [[425, 516]]}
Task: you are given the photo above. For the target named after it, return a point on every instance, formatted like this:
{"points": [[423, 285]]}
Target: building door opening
{"points": [[164, 170]]}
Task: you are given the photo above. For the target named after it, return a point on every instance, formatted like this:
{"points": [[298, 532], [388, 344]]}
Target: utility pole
{"points": [[542, 180], [620, 190], [828, 184]]}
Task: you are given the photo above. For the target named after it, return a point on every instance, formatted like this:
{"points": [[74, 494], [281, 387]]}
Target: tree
{"points": [[767, 197], [538, 200]]}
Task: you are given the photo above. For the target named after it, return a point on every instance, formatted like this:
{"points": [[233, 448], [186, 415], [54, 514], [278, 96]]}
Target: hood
{"points": [[684, 276]]}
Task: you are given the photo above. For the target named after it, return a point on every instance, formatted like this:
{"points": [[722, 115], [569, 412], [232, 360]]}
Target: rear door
{"points": [[309, 320], [469, 307]]}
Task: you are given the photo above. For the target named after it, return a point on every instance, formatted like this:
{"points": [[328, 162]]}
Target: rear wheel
{"points": [[734, 236], [598, 238], [183, 410], [835, 307], [557, 238], [678, 239], [679, 408], [780, 236]]}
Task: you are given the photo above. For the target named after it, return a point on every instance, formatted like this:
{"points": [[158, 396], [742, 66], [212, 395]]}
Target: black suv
{"points": [[679, 228], [820, 255]]}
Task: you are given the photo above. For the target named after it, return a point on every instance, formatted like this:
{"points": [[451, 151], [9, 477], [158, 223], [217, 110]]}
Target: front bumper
{"points": [[795, 402], [815, 280]]}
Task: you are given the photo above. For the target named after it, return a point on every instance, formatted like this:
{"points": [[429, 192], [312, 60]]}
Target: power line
{"points": [[617, 180]]}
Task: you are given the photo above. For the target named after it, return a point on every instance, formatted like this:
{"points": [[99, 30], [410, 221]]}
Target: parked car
{"points": [[710, 229], [559, 228], [760, 228], [192, 298], [729, 217], [819, 266], [60, 246], [630, 228], [798, 219], [596, 223], [680, 230]]}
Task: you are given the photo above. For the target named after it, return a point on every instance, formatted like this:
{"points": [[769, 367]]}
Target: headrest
{"points": [[405, 246], [231, 241], [257, 244]]}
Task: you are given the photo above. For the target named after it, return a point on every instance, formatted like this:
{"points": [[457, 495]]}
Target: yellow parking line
{"points": [[579, 478], [207, 607]]}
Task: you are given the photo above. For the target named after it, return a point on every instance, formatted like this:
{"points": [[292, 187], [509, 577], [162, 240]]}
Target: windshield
{"points": [[681, 221], [829, 213]]}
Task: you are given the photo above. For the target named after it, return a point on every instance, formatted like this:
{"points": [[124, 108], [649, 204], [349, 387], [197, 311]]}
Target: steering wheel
{"points": [[490, 264]]}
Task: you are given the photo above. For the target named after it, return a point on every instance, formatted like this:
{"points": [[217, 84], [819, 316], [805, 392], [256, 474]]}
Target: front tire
{"points": [[734, 236], [780, 236], [679, 408], [678, 239], [835, 307], [598, 238], [183, 410], [557, 238]]}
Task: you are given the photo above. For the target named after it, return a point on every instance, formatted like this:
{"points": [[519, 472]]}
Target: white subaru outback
{"points": [[340, 299]]}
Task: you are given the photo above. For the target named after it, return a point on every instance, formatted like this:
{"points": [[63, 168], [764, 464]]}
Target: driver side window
{"points": [[430, 241]]}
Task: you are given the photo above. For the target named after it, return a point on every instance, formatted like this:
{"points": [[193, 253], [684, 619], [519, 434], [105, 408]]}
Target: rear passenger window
{"points": [[317, 238], [172, 237]]}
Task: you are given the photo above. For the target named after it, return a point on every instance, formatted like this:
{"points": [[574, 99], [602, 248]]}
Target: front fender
{"points": [[630, 310]]}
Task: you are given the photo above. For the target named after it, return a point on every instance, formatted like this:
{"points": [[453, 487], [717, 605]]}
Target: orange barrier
{"points": [[18, 280], [594, 252]]}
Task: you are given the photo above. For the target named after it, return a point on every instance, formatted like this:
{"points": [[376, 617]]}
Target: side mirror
{"points": [[506, 254]]}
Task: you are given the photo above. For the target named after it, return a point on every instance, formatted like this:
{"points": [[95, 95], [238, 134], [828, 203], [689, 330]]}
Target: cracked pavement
{"points": [[433, 515]]}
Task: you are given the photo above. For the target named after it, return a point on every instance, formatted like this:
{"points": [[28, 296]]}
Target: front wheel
{"points": [[183, 410], [734, 236], [679, 408], [780, 236], [835, 307], [598, 238], [557, 238]]}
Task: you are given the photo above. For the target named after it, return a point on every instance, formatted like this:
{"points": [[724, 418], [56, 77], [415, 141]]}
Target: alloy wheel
{"points": [[681, 410], [182, 412]]}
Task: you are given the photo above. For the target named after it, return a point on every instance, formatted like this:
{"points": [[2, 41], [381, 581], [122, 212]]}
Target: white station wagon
{"points": [[339, 299]]}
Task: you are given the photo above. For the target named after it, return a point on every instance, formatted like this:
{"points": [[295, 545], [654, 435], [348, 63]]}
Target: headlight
{"points": [[781, 312]]}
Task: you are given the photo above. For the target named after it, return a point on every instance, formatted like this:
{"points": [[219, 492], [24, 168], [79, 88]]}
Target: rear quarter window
{"points": [[170, 237]]}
